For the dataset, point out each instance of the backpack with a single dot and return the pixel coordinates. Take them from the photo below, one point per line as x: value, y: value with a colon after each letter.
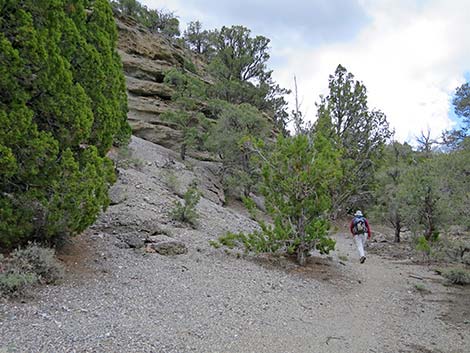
x: 359, y: 225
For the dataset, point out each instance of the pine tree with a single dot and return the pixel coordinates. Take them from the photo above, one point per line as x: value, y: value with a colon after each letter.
x: 236, y: 125
x: 296, y: 179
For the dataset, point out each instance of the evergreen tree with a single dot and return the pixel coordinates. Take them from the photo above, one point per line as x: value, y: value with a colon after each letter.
x: 296, y: 179
x: 461, y: 101
x: 189, y: 92
x: 361, y: 134
x: 128, y: 7
x: 420, y: 192
x: 236, y: 124
x: 238, y: 62
x: 109, y: 96
x: 54, y: 175
x: 196, y: 38
x: 453, y: 180
x: 462, y: 105
x: 239, y: 56
x: 390, y: 202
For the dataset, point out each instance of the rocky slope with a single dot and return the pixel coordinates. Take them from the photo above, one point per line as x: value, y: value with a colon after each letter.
x: 145, y: 57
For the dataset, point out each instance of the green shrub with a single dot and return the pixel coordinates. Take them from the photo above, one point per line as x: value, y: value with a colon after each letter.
x: 343, y: 258
x: 457, y: 276
x: 14, y: 285
x: 189, y: 65
x: 27, y: 267
x: 421, y: 288
x: 37, y: 260
x: 186, y: 212
x: 171, y: 180
x: 422, y: 245
x: 214, y: 244
x: 296, y: 176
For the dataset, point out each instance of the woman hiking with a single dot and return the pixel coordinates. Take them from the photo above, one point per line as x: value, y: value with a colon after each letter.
x: 360, y: 230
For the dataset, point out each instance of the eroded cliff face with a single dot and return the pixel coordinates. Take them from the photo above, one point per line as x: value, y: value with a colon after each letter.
x: 146, y: 57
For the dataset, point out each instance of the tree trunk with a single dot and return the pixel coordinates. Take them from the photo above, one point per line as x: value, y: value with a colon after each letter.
x: 302, y: 249
x: 397, y: 230
x: 183, y: 151
x: 397, y: 234
x: 301, y: 256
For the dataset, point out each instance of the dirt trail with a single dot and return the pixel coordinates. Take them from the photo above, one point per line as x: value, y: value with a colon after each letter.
x: 371, y: 307
x: 386, y: 311
x: 120, y: 299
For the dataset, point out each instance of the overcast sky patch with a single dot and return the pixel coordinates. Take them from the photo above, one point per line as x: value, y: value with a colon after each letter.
x: 410, y: 54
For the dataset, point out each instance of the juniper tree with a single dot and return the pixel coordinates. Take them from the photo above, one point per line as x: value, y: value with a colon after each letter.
x: 236, y: 124
x: 461, y: 102
x: 390, y: 202
x: 421, y: 194
x: 451, y: 180
x: 196, y: 38
x: 188, y: 95
x: 53, y: 135
x: 361, y: 134
x: 238, y: 61
x: 186, y: 212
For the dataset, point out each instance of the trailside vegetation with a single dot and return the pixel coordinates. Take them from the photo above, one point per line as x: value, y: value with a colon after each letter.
x: 296, y: 178
x: 62, y: 105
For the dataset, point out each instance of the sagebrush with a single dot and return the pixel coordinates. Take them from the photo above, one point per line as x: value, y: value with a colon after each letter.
x: 27, y: 267
x: 458, y: 276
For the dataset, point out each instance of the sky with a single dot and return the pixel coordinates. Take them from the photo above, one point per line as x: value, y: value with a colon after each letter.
x: 410, y: 54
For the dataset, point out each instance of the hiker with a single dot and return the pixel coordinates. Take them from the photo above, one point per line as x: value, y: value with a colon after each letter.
x: 361, y: 232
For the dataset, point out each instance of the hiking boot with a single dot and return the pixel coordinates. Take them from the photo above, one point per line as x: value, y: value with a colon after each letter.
x: 363, y: 259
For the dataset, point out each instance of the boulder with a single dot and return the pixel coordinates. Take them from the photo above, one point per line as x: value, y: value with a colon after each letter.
x: 167, y: 248
x: 117, y: 194
x: 259, y: 201
x: 159, y: 238
x: 134, y: 239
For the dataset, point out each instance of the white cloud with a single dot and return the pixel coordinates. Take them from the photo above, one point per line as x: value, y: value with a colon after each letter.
x: 410, y: 57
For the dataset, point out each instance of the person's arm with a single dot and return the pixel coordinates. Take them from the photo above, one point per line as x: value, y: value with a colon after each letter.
x: 351, y: 226
x: 369, y: 233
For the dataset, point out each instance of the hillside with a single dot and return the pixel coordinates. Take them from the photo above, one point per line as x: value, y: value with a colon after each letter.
x: 120, y: 297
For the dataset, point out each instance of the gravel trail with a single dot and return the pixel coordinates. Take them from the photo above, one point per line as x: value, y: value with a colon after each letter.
x: 121, y: 299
